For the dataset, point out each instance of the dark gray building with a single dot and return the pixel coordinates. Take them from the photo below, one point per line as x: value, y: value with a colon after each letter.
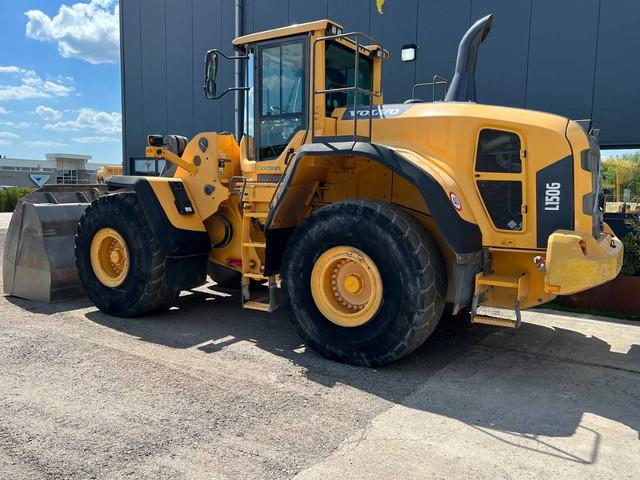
x: 578, y: 58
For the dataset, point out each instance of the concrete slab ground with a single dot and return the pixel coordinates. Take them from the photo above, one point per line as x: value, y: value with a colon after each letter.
x: 210, y: 391
x: 5, y: 218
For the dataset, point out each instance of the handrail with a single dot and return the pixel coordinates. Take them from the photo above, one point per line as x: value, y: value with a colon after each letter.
x: 437, y: 80
x: 353, y: 37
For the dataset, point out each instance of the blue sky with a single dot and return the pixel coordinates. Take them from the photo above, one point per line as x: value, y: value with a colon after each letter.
x: 60, y: 79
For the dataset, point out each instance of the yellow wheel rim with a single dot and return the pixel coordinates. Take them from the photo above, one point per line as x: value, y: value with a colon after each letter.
x: 346, y: 286
x: 109, y: 257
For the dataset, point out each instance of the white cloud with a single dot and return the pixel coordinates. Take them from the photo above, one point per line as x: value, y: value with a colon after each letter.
x: 89, y: 31
x: 90, y: 140
x: 48, y: 114
x: 44, y: 144
x: 16, y: 124
x: 8, y: 135
x: 11, y: 69
x: 90, y: 120
x: 4, y: 111
x: 27, y: 84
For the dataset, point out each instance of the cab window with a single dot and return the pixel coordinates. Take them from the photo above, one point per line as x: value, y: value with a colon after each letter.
x: 340, y: 73
x: 282, y: 84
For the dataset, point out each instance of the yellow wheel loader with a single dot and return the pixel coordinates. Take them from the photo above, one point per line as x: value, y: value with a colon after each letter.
x: 368, y: 217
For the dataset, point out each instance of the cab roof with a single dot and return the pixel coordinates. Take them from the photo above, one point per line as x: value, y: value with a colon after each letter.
x: 286, y: 31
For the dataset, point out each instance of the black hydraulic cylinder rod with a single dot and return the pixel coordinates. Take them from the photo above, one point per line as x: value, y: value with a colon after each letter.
x: 463, y: 85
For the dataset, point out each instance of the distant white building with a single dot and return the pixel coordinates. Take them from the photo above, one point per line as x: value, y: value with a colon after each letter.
x: 58, y: 168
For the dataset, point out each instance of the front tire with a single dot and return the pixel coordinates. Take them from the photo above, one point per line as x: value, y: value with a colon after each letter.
x: 386, y: 275
x: 119, y: 261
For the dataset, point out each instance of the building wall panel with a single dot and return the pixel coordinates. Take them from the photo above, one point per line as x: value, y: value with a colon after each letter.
x: 154, y: 66
x: 440, y: 28
x: 562, y: 55
x: 179, y: 68
x: 394, y: 28
x: 206, y: 35
x: 616, y: 98
x: 502, y: 63
x: 132, y: 104
x: 571, y: 57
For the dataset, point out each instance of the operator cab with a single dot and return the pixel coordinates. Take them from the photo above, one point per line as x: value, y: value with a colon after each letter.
x: 279, y: 77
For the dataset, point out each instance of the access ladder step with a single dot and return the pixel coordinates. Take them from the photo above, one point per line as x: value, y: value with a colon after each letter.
x: 268, y: 304
x: 256, y: 214
x: 498, y: 317
x: 255, y: 305
x: 254, y: 244
x: 503, y: 281
x: 256, y: 276
x: 495, y: 321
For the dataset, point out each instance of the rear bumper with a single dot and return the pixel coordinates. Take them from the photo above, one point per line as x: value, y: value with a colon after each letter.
x: 577, y: 261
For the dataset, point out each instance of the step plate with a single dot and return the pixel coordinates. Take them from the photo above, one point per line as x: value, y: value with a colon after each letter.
x: 495, y: 321
x: 253, y: 305
x: 497, y: 316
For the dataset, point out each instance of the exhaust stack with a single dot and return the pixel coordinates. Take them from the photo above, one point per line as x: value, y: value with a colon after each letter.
x: 463, y: 85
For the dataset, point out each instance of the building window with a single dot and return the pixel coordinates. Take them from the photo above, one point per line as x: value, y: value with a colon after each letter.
x: 67, y: 176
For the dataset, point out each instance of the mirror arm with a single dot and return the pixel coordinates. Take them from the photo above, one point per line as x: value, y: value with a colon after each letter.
x: 230, y: 89
x: 232, y: 57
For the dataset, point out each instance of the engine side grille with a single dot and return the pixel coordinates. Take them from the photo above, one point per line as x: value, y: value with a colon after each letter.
x: 503, y: 200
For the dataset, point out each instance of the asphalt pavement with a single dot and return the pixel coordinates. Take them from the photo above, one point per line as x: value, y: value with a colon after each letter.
x: 208, y: 391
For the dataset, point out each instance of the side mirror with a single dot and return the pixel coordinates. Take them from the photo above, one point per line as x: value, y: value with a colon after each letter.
x: 211, y: 72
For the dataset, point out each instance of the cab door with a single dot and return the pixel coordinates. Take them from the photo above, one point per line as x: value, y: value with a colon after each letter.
x: 281, y: 95
x: 500, y: 181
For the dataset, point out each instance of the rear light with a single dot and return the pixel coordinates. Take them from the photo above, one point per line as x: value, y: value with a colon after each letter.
x: 155, y: 140
x: 552, y: 288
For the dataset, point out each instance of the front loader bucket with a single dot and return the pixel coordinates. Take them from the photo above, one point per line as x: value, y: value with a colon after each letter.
x: 39, y: 261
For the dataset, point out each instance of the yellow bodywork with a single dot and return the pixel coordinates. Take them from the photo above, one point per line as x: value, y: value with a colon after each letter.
x: 438, y: 138
x: 576, y: 261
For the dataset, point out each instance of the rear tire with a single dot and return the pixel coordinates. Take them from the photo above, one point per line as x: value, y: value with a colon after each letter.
x: 143, y: 289
x: 410, y: 267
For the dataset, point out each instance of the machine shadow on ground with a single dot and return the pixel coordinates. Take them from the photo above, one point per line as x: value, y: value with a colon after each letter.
x: 524, y: 383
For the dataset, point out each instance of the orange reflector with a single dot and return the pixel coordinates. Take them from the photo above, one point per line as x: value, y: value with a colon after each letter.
x: 583, y: 246
x: 552, y: 288
x: 234, y: 262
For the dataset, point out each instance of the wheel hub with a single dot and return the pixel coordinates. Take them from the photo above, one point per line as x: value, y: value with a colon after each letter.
x: 109, y: 257
x: 346, y: 286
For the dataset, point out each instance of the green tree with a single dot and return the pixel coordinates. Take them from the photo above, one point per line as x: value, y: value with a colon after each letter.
x: 631, y: 264
x: 9, y: 198
x: 620, y: 173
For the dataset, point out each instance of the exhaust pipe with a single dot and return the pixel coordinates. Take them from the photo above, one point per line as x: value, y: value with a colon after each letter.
x: 463, y: 85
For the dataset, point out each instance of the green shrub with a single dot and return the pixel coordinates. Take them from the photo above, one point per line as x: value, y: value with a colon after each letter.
x: 9, y: 197
x: 631, y: 265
